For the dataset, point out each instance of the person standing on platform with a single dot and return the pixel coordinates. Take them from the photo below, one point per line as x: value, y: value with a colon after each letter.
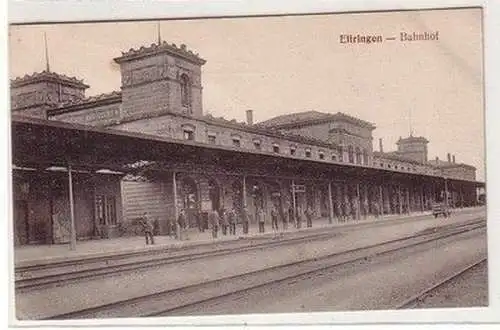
x: 224, y: 221
x: 375, y: 210
x: 214, y: 219
x: 274, y: 218
x: 181, y: 222
x: 232, y: 222
x: 261, y: 220
x: 245, y: 219
x: 199, y: 222
x: 148, y: 228
x: 291, y: 215
x: 284, y: 217
x: 298, y: 218
x: 309, y: 214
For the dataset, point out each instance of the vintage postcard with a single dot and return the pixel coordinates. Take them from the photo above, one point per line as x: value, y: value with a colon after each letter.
x: 239, y: 166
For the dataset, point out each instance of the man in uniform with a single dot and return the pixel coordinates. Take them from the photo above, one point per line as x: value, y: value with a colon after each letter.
x: 291, y: 215
x: 224, y: 221
x: 274, y: 218
x: 148, y: 228
x: 231, y: 217
x: 213, y: 218
x: 261, y: 220
x: 284, y: 217
x: 245, y: 219
x: 298, y: 218
x: 309, y: 214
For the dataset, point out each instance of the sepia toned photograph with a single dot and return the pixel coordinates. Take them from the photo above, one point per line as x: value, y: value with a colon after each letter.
x: 326, y: 162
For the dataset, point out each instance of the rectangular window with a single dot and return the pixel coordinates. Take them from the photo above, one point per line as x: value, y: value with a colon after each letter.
x: 292, y: 151
x: 257, y: 145
x: 236, y: 143
x: 105, y: 209
x: 188, y: 135
x: 308, y: 153
x: 276, y: 149
x: 334, y: 157
x: 211, y: 139
x: 321, y: 155
x: 111, y: 210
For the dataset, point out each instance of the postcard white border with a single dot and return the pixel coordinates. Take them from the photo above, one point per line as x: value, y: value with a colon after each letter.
x: 71, y: 10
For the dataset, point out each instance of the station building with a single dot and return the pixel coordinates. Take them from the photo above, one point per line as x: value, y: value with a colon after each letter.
x: 320, y: 160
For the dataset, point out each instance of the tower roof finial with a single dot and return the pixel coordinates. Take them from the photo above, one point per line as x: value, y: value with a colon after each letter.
x: 159, y: 33
x: 47, y: 64
x: 411, y: 128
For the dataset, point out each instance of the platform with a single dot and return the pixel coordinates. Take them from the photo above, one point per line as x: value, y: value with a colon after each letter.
x: 39, y: 254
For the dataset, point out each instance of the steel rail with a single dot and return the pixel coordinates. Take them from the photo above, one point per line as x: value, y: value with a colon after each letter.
x: 112, y: 309
x: 415, y: 299
x: 107, y: 269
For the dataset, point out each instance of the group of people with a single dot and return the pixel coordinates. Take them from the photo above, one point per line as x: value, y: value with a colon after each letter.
x: 226, y: 221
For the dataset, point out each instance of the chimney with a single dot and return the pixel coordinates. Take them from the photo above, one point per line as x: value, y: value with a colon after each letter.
x: 449, y: 157
x: 249, y: 117
x: 381, y: 147
x: 453, y: 158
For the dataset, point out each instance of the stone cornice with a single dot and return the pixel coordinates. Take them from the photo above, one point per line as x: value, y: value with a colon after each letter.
x: 45, y: 76
x: 156, y: 49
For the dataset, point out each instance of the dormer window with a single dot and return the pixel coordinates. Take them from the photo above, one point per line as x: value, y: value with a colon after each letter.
x: 188, y: 132
x: 257, y: 144
x: 308, y: 153
x: 276, y: 148
x: 334, y: 157
x: 212, y: 137
x: 293, y: 150
x: 321, y: 155
x: 236, y: 140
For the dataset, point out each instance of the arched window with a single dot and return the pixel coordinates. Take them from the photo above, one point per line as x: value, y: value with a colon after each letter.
x: 351, y: 154
x: 358, y: 156
x: 185, y: 91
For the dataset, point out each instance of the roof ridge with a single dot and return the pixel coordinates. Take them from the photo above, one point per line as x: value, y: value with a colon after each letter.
x: 92, y: 98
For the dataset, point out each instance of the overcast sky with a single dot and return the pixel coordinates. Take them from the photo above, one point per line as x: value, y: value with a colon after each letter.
x: 279, y: 65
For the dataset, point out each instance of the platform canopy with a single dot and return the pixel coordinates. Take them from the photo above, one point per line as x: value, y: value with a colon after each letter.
x: 39, y: 143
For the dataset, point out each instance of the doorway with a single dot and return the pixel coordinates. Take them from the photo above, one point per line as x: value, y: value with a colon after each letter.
x: 21, y: 229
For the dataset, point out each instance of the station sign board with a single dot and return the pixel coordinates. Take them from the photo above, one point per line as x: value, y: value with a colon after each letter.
x: 299, y: 188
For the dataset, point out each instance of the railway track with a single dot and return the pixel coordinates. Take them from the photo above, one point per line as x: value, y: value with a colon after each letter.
x: 416, y: 299
x: 189, y: 296
x: 60, y: 273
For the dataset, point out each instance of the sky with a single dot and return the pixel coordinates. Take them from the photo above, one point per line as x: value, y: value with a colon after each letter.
x: 279, y: 65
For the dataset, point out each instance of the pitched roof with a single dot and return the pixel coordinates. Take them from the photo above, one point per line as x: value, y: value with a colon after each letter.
x: 446, y: 164
x: 86, y: 103
x: 309, y: 118
x: 394, y: 155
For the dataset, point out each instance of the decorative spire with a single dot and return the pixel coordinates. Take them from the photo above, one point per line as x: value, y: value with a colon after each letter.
x: 411, y: 128
x: 47, y: 65
x: 159, y: 33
